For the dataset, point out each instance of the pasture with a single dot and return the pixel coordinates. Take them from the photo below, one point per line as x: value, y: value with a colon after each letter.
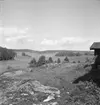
x: 50, y: 75
x: 57, y: 75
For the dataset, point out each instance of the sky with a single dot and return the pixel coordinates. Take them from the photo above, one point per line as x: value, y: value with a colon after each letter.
x: 49, y: 24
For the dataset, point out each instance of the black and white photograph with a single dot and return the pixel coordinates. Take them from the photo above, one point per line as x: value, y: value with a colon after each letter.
x: 49, y: 52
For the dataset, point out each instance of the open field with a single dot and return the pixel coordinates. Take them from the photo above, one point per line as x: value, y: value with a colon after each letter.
x: 22, y: 61
x: 19, y: 81
x: 44, y: 74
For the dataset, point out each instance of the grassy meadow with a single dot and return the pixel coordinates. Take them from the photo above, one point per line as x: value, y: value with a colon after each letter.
x: 45, y: 75
x: 71, y: 78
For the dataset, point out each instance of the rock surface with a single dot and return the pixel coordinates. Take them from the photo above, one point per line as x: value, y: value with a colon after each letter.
x: 25, y: 92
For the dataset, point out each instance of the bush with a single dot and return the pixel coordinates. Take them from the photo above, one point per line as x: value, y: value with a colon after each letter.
x: 78, y: 61
x: 78, y: 54
x: 9, y: 67
x: 74, y: 62
x: 87, y: 59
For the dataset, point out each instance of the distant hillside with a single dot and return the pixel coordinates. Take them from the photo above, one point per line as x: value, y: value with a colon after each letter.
x: 34, y: 51
x: 73, y: 53
x: 58, y: 52
x: 25, y: 50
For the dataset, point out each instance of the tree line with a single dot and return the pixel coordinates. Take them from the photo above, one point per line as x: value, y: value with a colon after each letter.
x: 6, y: 54
x: 42, y: 61
x: 68, y: 53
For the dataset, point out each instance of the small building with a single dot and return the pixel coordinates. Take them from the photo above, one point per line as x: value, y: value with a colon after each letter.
x: 96, y: 47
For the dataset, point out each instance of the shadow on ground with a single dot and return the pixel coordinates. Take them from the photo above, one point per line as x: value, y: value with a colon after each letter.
x: 92, y: 75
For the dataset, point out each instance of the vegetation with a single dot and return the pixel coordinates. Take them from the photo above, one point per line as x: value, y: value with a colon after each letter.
x: 68, y: 53
x: 87, y: 59
x: 58, y: 60
x: 50, y: 60
x: 66, y: 59
x: 6, y: 54
x: 41, y: 61
x: 65, y: 53
x: 85, y: 93
x: 74, y: 62
x: 88, y: 53
x: 33, y: 63
x: 77, y: 54
x: 78, y: 61
x: 23, y: 54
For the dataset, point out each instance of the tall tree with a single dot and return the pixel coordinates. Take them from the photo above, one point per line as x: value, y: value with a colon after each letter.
x: 66, y: 59
x: 58, y: 60
x: 50, y: 60
x: 41, y: 61
x: 6, y: 54
x: 33, y: 63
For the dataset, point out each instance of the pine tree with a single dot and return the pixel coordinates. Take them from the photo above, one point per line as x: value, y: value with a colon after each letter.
x: 50, y: 60
x: 58, y: 60
x: 33, y: 63
x: 41, y: 61
x: 66, y: 59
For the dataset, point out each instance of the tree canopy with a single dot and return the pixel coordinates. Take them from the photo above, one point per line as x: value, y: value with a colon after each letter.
x: 6, y: 54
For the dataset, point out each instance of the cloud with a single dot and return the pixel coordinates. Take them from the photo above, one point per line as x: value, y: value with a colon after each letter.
x: 15, y: 34
x: 9, y: 31
x: 49, y: 42
x: 72, y: 40
x: 69, y: 43
x: 15, y: 38
x: 63, y: 40
x: 75, y: 43
x: 30, y: 40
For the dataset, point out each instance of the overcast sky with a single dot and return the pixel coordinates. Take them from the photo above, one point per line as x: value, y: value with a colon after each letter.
x: 49, y: 24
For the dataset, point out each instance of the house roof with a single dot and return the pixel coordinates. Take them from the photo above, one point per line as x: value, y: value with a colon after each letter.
x: 95, y: 45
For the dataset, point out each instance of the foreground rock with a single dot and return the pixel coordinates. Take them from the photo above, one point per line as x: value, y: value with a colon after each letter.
x: 25, y: 92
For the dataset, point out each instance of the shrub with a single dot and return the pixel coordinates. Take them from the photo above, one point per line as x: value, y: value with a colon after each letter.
x: 74, y: 62
x: 9, y: 67
x: 86, y: 53
x: 78, y: 61
x: 78, y: 54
